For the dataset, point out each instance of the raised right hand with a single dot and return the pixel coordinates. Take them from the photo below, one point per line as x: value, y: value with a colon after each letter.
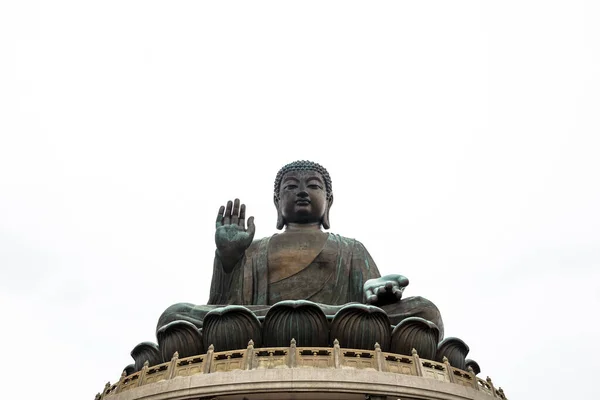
x: 232, y: 238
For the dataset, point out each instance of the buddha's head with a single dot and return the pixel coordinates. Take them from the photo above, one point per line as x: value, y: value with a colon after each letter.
x: 302, y: 194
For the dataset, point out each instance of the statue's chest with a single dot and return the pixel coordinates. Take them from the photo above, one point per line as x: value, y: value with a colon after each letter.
x: 289, y: 254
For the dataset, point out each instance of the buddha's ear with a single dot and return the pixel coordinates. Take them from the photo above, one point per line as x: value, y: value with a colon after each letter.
x: 325, y: 222
x: 280, y: 220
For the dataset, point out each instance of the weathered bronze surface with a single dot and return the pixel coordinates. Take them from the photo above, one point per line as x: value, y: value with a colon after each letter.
x: 357, y: 326
x: 302, y: 282
x: 180, y: 336
x: 415, y: 333
x: 145, y: 352
x: 301, y: 320
x: 230, y: 328
x: 301, y: 263
x: 455, y: 350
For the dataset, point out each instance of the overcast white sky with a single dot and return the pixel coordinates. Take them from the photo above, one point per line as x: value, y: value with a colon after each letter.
x: 462, y: 138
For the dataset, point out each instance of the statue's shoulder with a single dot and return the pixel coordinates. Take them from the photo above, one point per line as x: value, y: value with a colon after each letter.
x: 346, y: 241
x: 341, y: 238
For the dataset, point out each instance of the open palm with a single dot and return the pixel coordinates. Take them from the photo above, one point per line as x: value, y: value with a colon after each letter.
x: 232, y: 237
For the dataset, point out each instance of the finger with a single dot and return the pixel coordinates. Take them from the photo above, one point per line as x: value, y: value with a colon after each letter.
x: 371, y: 297
x: 227, y: 216
x: 381, y: 291
x: 219, y: 220
x: 242, y: 220
x: 388, y: 286
x: 251, y: 228
x: 397, y: 292
x: 235, y: 215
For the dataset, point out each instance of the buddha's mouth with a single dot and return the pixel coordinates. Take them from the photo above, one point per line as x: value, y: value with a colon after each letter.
x: 303, y: 202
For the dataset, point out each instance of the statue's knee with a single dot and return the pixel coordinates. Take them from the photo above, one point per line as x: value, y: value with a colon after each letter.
x: 425, y: 307
x: 415, y: 306
x: 421, y: 307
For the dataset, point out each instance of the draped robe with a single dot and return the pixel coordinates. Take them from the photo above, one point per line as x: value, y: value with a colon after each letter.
x: 334, y: 278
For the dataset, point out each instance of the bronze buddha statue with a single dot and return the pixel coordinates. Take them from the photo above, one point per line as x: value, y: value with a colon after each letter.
x: 302, y: 264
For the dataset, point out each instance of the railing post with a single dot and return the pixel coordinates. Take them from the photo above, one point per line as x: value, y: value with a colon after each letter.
x: 379, y: 358
x: 143, y: 373
x: 417, y: 361
x: 249, y: 356
x: 448, y: 369
x: 489, y: 381
x: 173, y: 365
x: 120, y: 383
x: 208, y: 359
x: 501, y: 391
x: 337, y: 354
x: 473, y: 377
x: 106, y: 387
x: 471, y: 372
x: 292, y: 354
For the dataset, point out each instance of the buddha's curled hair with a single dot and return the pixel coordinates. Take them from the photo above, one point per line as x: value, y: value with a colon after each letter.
x: 303, y: 165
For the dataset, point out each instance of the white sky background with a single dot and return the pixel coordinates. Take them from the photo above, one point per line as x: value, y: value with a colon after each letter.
x: 462, y: 139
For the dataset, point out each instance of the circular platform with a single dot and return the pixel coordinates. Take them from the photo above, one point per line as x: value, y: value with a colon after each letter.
x: 301, y: 373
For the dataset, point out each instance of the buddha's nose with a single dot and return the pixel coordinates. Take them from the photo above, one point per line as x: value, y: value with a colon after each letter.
x: 302, y: 193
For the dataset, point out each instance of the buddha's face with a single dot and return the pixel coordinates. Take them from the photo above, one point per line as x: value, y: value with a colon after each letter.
x: 302, y: 197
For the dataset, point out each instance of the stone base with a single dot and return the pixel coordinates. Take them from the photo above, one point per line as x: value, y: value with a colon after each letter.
x: 301, y: 383
x: 300, y: 372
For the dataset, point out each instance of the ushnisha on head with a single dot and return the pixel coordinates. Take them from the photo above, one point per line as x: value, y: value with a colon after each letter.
x: 303, y: 194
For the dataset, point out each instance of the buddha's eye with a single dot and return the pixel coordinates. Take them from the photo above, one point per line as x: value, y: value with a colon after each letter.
x: 291, y: 187
x: 315, y: 187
